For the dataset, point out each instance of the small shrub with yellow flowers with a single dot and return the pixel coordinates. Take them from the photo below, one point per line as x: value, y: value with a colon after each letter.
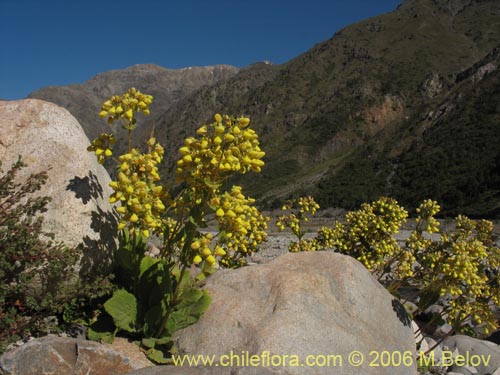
x: 299, y: 211
x: 158, y: 295
x: 459, y: 269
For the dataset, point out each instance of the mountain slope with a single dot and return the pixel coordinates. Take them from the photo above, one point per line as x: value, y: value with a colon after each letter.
x: 390, y: 105
x: 332, y: 119
x: 167, y: 86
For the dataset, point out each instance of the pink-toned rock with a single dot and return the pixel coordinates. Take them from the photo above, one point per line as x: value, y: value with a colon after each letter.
x: 304, y: 304
x: 48, y: 137
x: 131, y: 351
x: 61, y: 356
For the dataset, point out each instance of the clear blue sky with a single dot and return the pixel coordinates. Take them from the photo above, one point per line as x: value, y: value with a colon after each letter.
x: 59, y: 42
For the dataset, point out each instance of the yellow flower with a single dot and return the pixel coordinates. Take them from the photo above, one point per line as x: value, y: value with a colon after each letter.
x: 211, y: 260
x: 243, y: 122
x: 219, y: 251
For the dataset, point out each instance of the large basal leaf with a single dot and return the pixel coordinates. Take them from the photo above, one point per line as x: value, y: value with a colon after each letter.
x: 186, y: 278
x: 194, y: 302
x: 178, y: 320
x: 123, y: 309
x: 155, y: 282
x: 148, y: 342
x: 157, y: 356
x: 146, y: 263
x: 152, y: 319
x: 206, y: 271
x: 123, y: 257
x: 140, y: 243
x: 102, y: 330
x: 106, y: 337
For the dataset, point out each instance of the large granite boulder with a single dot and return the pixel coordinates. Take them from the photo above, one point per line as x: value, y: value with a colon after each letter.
x: 304, y: 304
x: 471, y: 356
x: 48, y: 137
x: 62, y: 355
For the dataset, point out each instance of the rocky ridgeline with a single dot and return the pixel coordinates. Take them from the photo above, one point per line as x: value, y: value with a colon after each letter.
x: 291, y: 305
x: 168, y: 87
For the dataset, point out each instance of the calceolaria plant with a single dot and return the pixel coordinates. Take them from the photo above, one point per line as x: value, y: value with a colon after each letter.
x: 297, y: 214
x: 459, y: 269
x: 158, y: 294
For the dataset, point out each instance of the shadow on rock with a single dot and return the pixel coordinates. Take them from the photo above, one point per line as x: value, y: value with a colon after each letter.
x: 97, y: 251
x: 401, y: 313
x: 86, y: 188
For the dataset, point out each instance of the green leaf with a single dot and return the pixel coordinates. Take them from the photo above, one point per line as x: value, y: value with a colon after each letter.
x: 153, y: 318
x: 123, y: 309
x: 106, y: 337
x: 194, y: 302
x: 148, y: 342
x: 102, y: 330
x: 140, y: 242
x: 186, y: 279
x: 206, y: 271
x: 165, y: 341
x: 123, y: 254
x: 222, y: 236
x: 178, y: 320
x: 146, y: 263
x: 196, y: 216
x: 123, y: 258
x: 124, y: 237
x: 213, y: 185
x: 157, y: 356
x: 155, y: 283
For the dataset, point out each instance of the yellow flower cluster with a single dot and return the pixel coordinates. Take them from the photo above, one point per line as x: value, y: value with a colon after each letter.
x: 462, y: 267
x: 369, y: 235
x: 136, y: 189
x: 125, y: 106
x: 201, y: 247
x: 304, y: 245
x: 291, y: 220
x: 226, y: 146
x: 242, y: 226
x: 102, y: 146
x: 332, y: 238
x: 426, y: 212
x: 300, y: 209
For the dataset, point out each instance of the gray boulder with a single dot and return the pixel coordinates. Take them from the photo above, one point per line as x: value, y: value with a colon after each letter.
x: 62, y: 355
x: 48, y: 137
x: 322, y: 304
x: 476, y: 356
